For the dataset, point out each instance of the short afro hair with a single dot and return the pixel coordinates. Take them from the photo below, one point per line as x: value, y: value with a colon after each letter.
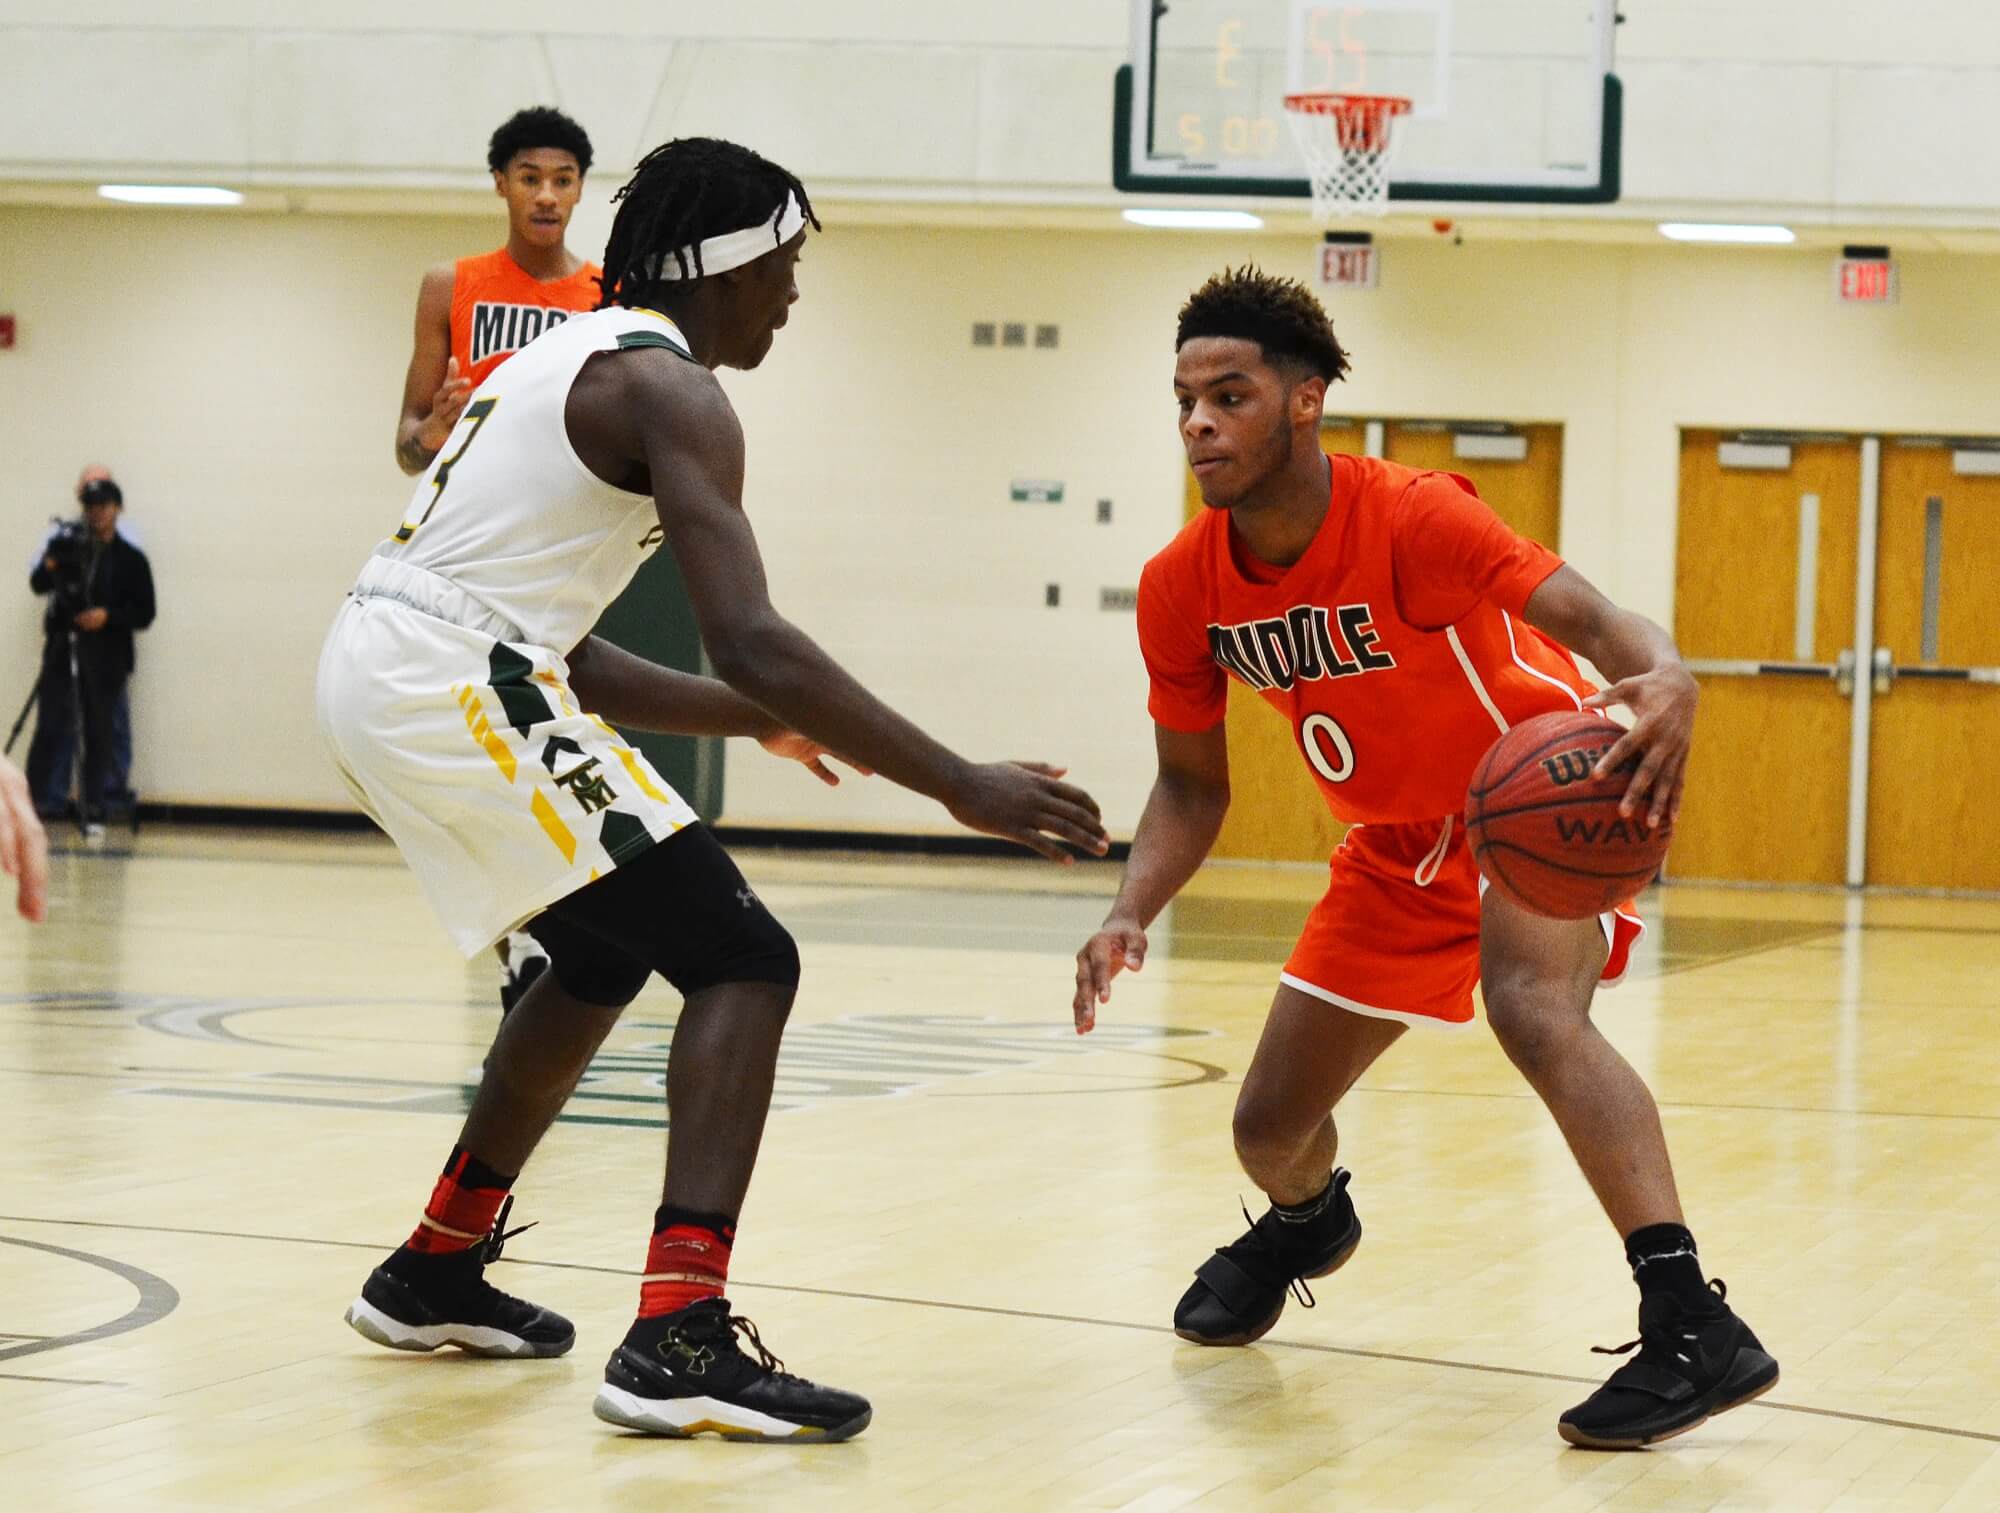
x: 1279, y: 314
x: 537, y: 126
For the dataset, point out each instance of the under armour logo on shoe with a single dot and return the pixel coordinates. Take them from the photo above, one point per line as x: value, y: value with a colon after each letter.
x: 749, y: 899
x: 693, y: 1359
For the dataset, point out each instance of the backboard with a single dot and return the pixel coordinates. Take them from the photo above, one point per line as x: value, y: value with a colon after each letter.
x: 1512, y: 99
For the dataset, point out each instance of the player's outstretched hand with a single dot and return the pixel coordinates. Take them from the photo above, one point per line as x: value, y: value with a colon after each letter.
x: 1663, y: 703
x: 446, y: 406
x: 1120, y: 946
x: 24, y: 847
x: 1025, y: 803
x: 808, y: 752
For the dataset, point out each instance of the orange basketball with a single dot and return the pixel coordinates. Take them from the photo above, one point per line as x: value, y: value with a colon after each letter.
x: 1545, y: 832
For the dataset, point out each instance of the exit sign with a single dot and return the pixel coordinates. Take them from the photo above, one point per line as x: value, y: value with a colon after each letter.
x: 1865, y: 280
x: 1349, y: 265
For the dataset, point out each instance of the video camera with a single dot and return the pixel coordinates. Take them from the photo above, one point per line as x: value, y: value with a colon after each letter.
x: 69, y: 549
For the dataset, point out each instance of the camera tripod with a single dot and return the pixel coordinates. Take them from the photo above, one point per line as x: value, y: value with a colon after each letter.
x: 82, y: 804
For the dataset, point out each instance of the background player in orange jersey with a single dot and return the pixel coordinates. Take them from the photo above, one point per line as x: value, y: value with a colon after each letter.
x: 1399, y: 626
x: 474, y: 313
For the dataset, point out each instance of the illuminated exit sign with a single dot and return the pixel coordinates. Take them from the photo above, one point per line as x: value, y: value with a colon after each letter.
x: 1865, y: 276
x: 1349, y: 260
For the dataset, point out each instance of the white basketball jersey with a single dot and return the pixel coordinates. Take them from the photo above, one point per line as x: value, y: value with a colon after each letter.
x: 508, y: 532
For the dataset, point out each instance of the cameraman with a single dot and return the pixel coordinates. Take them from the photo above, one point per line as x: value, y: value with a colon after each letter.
x: 100, y: 589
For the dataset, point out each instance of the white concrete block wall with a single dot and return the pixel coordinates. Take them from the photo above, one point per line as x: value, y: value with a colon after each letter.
x: 1787, y: 106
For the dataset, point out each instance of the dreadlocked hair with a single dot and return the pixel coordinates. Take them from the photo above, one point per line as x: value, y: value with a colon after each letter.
x: 681, y: 194
x: 537, y: 126
x: 1279, y: 314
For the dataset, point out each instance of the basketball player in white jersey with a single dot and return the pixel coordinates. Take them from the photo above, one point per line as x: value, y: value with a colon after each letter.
x: 465, y: 703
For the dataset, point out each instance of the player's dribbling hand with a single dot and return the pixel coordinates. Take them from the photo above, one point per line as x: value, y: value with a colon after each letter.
x: 1120, y: 946
x: 24, y: 848
x: 810, y: 754
x: 1662, y: 702
x: 1025, y: 803
x: 446, y: 406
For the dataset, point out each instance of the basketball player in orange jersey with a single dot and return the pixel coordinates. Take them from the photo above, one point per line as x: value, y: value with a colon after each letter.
x: 474, y: 313
x: 1399, y: 626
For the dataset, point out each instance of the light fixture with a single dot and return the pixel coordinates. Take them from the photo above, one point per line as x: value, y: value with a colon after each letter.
x: 1196, y: 220
x: 169, y: 194
x: 1706, y: 231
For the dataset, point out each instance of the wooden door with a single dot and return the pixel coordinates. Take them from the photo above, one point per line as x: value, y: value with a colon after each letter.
x: 1276, y: 812
x: 1526, y: 494
x: 1767, y: 783
x: 1932, y: 818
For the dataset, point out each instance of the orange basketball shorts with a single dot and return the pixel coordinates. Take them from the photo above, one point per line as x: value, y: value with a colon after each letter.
x: 1397, y: 934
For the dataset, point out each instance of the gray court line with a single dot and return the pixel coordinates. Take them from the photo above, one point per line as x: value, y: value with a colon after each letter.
x: 1224, y: 1080
x: 1696, y: 964
x: 56, y: 1381
x: 1204, y: 1072
x: 1011, y: 1313
x: 157, y: 1299
x: 1528, y: 1095
x: 1929, y: 929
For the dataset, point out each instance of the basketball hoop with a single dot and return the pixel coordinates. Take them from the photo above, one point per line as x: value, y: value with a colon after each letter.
x: 1345, y: 140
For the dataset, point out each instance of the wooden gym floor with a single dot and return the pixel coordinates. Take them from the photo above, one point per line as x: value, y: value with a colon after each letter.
x: 230, y: 1067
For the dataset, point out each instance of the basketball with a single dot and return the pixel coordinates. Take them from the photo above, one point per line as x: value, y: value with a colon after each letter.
x: 1548, y: 834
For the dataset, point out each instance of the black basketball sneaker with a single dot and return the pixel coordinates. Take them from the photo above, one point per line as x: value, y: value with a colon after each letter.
x: 684, y: 1374
x: 1691, y: 1365
x: 419, y: 1302
x: 1239, y: 1291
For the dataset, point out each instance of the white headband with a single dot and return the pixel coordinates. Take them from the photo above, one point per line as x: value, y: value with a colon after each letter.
x: 732, y: 249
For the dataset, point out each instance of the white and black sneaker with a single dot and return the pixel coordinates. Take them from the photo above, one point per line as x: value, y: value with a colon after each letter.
x: 684, y: 1374
x: 522, y: 960
x: 419, y: 1302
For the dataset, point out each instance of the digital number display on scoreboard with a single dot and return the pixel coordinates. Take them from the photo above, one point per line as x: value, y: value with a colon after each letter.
x: 1223, y: 73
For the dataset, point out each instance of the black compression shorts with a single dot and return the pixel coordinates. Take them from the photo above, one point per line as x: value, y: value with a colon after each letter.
x: 681, y: 909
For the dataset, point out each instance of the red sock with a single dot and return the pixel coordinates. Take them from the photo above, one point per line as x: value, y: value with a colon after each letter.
x: 687, y: 1261
x: 463, y: 1205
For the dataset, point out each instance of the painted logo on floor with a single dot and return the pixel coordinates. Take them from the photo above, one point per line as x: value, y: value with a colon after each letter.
x: 854, y: 1057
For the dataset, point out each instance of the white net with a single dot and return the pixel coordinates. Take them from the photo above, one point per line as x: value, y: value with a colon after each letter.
x: 1345, y: 141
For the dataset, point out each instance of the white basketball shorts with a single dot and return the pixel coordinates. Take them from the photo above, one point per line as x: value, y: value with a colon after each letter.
x: 471, y: 752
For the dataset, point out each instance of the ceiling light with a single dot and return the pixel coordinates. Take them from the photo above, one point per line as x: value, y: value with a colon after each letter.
x: 1705, y: 231
x: 1197, y: 220
x: 169, y: 194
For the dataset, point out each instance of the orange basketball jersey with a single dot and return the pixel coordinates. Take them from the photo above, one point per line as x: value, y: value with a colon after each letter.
x: 497, y: 309
x: 1394, y: 646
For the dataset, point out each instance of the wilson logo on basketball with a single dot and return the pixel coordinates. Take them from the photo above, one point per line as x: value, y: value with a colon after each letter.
x: 1567, y: 767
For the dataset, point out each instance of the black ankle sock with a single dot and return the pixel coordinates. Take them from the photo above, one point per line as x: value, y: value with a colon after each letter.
x: 667, y: 1215
x: 476, y: 1173
x: 1311, y: 1209
x: 1663, y: 1260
